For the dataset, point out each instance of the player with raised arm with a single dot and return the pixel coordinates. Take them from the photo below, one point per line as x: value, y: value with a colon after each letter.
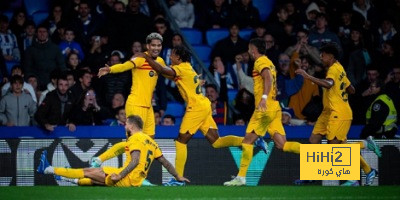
x: 198, y: 113
x: 144, y: 80
x: 140, y: 152
x: 335, y: 119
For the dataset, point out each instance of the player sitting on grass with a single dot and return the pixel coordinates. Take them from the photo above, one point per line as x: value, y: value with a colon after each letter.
x: 140, y: 152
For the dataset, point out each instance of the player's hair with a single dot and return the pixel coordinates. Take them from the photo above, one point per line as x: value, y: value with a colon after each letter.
x: 330, y: 48
x: 182, y: 52
x: 135, y: 119
x: 153, y: 36
x: 259, y: 44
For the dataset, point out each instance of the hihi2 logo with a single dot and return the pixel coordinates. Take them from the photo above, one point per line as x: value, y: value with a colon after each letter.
x: 330, y: 162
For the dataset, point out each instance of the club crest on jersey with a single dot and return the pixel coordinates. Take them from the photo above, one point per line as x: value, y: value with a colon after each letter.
x: 376, y: 107
x: 151, y: 73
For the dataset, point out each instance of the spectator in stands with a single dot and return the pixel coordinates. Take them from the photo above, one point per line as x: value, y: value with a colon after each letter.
x: 356, y: 57
x: 85, y: 24
x: 393, y: 87
x: 289, y: 36
x: 17, y: 108
x: 245, y: 14
x: 73, y: 61
x: 56, y: 107
x: 27, y: 37
x: 142, y: 21
x: 242, y: 63
x: 321, y: 34
x: 43, y: 57
x: 18, y: 23
x: 87, y: 111
x: 119, y: 7
x: 218, y: 69
x: 116, y: 83
x: 387, y: 58
x: 218, y: 104
x: 309, y: 90
x: 136, y: 47
x: 272, y: 49
x: 99, y: 49
x: 58, y: 34
x: 50, y: 86
x: 8, y: 41
x: 168, y: 120
x: 183, y: 13
x: 367, y: 10
x: 26, y: 87
x: 68, y: 45
x: 244, y: 80
x: 162, y: 27
x: 230, y: 46
x: 120, y: 117
x: 275, y: 24
x: 303, y: 48
x: 239, y: 121
x: 85, y: 82
x: 308, y: 20
x: 244, y: 104
x: 385, y: 32
x: 55, y: 18
x: 32, y: 79
x: 287, y: 86
x: 3, y: 70
x: 218, y: 15
x: 381, y: 118
x: 259, y: 31
x: 157, y: 117
x: 71, y: 78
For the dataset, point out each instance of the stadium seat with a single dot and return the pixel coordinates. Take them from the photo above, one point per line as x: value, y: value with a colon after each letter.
x: 10, y: 65
x: 203, y: 51
x: 192, y: 35
x: 39, y: 17
x: 264, y: 7
x: 246, y: 33
x: 33, y: 6
x: 9, y: 14
x: 214, y: 35
x: 232, y: 95
x: 175, y: 109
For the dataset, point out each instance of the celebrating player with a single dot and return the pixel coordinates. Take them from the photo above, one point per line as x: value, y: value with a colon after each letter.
x: 267, y: 115
x: 140, y: 152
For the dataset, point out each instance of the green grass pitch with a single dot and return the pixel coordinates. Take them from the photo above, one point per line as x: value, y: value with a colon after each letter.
x: 201, y: 192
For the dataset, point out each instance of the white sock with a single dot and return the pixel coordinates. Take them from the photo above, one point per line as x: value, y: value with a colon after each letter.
x: 49, y: 170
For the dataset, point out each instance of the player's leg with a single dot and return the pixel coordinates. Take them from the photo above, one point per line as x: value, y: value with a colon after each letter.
x: 181, y: 152
x: 45, y: 168
x: 277, y: 133
x: 115, y: 150
x: 257, y: 127
x: 209, y: 129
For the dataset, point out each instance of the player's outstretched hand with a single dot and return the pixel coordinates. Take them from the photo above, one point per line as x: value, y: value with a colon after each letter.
x: 301, y: 72
x: 104, y: 71
x: 182, y: 179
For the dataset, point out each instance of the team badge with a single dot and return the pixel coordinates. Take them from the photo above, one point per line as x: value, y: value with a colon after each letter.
x: 377, y: 107
x: 151, y: 73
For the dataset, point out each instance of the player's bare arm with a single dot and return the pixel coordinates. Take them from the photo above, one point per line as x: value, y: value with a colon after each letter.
x: 166, y: 71
x: 171, y: 169
x: 134, y: 162
x: 267, y: 77
x: 326, y: 83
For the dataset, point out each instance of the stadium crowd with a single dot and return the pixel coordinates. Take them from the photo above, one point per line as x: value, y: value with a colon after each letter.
x: 50, y: 66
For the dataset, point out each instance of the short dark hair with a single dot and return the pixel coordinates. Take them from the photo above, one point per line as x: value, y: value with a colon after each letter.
x: 16, y: 78
x: 211, y: 86
x: 182, y: 52
x: 135, y: 119
x: 171, y: 117
x: 259, y: 44
x: 330, y: 48
x: 17, y: 67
